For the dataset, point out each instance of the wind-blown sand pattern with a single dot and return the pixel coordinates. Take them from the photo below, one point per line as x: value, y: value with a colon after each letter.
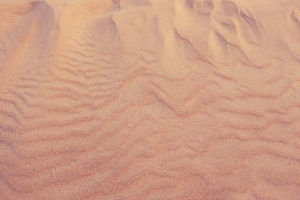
x: 150, y: 100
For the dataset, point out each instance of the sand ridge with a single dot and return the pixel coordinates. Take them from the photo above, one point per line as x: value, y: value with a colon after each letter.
x: 149, y: 99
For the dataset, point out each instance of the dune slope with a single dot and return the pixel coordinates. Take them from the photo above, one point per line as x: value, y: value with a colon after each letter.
x: 150, y: 99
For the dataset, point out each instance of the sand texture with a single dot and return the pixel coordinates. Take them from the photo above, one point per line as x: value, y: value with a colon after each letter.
x: 150, y: 100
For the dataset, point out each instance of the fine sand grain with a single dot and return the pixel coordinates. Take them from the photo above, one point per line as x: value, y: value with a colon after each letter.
x: 150, y: 100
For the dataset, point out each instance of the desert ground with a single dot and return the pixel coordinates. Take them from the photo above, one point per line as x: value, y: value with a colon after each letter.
x: 150, y: 100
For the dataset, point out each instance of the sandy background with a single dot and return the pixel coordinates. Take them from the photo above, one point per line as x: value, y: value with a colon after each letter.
x: 150, y: 100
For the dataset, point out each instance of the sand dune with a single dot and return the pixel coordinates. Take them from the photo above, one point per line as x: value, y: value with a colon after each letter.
x: 150, y: 99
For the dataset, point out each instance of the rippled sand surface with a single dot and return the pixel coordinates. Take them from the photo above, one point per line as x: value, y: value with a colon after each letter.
x: 150, y: 100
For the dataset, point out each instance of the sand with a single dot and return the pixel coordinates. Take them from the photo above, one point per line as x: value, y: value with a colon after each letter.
x: 150, y: 100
